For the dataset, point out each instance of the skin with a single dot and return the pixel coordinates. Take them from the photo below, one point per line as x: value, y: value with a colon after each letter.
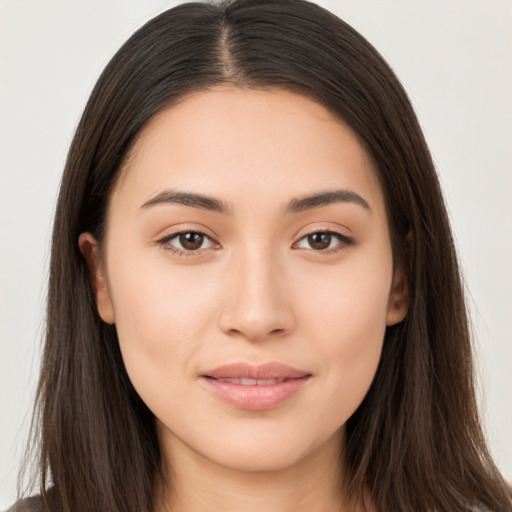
x: 256, y: 290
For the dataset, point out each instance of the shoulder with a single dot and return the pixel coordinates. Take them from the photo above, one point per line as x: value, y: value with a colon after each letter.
x: 33, y: 504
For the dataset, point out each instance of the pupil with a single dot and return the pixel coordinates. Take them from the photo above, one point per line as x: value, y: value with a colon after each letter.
x: 191, y: 241
x: 320, y: 240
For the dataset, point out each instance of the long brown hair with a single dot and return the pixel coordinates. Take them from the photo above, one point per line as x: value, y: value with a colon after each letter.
x: 416, y: 440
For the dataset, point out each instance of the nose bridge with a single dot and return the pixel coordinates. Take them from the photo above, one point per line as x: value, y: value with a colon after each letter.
x: 258, y: 304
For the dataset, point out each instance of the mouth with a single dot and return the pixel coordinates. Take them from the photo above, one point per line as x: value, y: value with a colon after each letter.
x: 255, y: 388
x: 252, y: 382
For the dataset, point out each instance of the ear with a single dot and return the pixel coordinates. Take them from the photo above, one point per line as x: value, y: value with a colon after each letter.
x: 90, y: 251
x: 398, y: 302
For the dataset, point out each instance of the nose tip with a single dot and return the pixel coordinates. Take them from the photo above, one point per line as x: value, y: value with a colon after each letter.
x: 254, y: 330
x: 257, y: 305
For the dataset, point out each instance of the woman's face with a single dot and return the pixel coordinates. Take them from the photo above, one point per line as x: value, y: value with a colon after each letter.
x: 247, y: 239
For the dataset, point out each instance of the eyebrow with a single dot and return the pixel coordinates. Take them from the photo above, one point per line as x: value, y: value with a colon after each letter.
x: 325, y: 198
x: 296, y: 205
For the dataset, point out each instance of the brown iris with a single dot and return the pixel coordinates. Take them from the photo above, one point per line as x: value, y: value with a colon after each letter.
x: 191, y: 241
x: 319, y: 241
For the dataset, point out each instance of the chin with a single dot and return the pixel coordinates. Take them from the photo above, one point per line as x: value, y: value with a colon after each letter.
x: 261, y: 460
x: 268, y: 452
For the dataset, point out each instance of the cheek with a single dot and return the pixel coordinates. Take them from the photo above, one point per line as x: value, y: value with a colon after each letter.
x: 160, y: 315
x: 348, y: 301
x: 347, y: 320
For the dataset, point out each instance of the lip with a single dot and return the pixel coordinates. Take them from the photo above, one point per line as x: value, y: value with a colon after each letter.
x: 260, y: 395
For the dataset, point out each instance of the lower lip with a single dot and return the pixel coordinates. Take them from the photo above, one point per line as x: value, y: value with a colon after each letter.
x: 255, y: 398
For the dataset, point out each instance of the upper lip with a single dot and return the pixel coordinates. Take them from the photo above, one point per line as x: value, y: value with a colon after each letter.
x: 272, y: 370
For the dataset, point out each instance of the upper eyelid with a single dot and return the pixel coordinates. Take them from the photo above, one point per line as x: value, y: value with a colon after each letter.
x: 325, y: 230
x: 200, y: 231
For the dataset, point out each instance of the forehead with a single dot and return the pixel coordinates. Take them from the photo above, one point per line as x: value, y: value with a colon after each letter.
x: 239, y: 144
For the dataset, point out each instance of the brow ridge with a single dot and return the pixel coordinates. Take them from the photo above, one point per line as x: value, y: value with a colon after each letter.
x: 296, y: 205
x: 189, y: 199
x: 325, y: 198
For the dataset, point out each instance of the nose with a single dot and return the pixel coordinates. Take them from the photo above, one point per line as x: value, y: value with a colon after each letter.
x: 257, y: 303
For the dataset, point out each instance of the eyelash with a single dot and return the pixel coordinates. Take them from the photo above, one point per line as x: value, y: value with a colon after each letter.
x: 344, y: 240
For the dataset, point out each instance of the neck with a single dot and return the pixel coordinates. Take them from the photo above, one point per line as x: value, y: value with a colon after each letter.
x: 197, y: 484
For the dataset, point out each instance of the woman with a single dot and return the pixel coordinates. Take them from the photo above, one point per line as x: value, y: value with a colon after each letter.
x: 254, y: 297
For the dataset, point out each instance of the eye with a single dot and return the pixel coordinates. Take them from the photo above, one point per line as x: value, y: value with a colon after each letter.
x: 186, y: 243
x: 325, y: 241
x: 189, y: 243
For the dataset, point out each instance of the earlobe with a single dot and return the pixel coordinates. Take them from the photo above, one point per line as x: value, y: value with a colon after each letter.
x: 398, y: 302
x: 90, y: 251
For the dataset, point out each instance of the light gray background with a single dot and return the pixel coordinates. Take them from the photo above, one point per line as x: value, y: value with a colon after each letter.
x: 453, y: 56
